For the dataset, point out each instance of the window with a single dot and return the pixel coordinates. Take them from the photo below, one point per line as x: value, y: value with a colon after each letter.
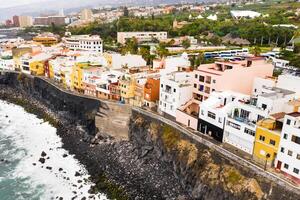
x: 161, y: 85
x: 244, y: 114
x: 214, y: 81
x: 174, y: 90
x: 288, y: 121
x: 211, y: 115
x: 202, y: 112
x: 296, y: 139
x: 233, y: 125
x: 298, y: 156
x: 286, y: 166
x: 262, y: 138
x: 296, y: 171
x: 220, y: 120
x: 282, y: 150
x: 290, y: 153
x: 196, y: 75
x: 259, y: 117
x: 264, y: 106
x: 201, y: 88
x: 195, y: 85
x: 201, y: 78
x: 272, y: 142
x: 249, y: 131
x: 285, y: 136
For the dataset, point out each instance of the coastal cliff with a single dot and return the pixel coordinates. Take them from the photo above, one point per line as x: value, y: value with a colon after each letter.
x: 204, y: 173
x: 79, y: 109
x: 158, y: 161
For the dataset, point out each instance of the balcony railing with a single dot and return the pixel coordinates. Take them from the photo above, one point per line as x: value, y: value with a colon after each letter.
x: 243, y: 120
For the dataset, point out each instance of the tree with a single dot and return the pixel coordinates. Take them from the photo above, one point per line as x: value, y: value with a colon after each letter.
x: 145, y: 53
x: 186, y: 43
x: 161, y: 50
x: 200, y: 59
x: 130, y: 46
x: 295, y: 61
x: 256, y: 51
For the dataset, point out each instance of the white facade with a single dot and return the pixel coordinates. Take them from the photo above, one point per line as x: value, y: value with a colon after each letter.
x: 84, y: 43
x: 172, y: 64
x: 289, y: 82
x: 238, y: 14
x: 240, y: 126
x: 7, y: 63
x: 175, y: 90
x: 216, y: 108
x: 262, y: 85
x: 141, y: 36
x: 288, y: 157
x: 119, y: 61
x: 280, y: 63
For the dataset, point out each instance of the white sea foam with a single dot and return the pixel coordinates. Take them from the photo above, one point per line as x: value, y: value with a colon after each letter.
x: 32, y: 136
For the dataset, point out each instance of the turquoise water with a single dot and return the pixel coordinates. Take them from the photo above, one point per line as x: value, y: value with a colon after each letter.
x: 23, y: 137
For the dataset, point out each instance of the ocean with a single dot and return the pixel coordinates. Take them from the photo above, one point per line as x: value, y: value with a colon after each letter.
x: 25, y: 142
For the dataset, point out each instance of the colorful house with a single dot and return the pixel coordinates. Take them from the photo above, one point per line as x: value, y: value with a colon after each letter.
x: 151, y: 92
x: 267, y: 139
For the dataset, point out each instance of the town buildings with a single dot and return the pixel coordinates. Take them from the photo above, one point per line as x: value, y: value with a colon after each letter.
x: 46, y: 39
x: 288, y: 156
x: 221, y: 76
x: 141, y: 36
x: 91, y: 43
x: 25, y: 21
x: 49, y: 20
x: 175, y: 90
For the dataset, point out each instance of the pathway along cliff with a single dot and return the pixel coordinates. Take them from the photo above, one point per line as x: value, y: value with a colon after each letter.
x: 158, y: 161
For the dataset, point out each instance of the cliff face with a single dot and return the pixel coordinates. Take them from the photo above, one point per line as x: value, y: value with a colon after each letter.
x: 205, y: 174
x: 77, y: 109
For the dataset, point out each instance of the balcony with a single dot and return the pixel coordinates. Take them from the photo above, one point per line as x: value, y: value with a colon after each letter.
x: 243, y: 120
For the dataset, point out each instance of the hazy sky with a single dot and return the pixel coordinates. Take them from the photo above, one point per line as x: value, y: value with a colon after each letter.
x: 9, y: 3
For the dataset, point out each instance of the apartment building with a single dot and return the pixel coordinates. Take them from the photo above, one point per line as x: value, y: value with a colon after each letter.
x: 175, y: 90
x: 222, y: 76
x: 25, y: 21
x: 49, y: 20
x: 122, y: 37
x: 240, y: 126
x: 288, y: 156
x: 214, y: 112
x: 89, y: 43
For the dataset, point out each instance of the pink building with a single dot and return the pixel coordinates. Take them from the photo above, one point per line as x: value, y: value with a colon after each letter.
x: 237, y: 76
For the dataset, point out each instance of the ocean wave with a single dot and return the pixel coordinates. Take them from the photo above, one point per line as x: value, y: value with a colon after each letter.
x: 29, y: 137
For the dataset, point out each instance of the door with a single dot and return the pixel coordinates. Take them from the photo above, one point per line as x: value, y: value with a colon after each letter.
x: 279, y: 163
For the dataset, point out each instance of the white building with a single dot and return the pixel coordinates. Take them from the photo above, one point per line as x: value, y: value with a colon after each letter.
x: 240, y: 126
x: 6, y: 61
x: 62, y: 65
x: 280, y: 63
x: 118, y: 61
x: 172, y: 63
x: 175, y: 90
x: 84, y: 43
x: 141, y: 36
x: 214, y: 111
x: 238, y: 14
x: 288, y: 156
x: 289, y: 82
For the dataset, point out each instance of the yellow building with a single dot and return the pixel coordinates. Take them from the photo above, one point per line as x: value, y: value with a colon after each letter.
x: 77, y: 76
x: 127, y: 86
x: 47, y: 40
x: 37, y: 67
x: 267, y: 140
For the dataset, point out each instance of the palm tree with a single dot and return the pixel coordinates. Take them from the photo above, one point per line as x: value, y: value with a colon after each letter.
x: 161, y: 50
x: 256, y: 51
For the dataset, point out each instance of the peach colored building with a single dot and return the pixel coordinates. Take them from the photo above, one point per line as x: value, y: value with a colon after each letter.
x: 237, y: 76
x: 151, y: 92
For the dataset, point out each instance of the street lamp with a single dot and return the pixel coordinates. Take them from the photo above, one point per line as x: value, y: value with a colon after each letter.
x: 267, y: 157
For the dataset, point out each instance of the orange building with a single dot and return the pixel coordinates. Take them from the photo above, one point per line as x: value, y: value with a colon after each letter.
x: 151, y: 92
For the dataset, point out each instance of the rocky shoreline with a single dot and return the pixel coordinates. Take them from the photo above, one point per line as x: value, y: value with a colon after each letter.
x: 117, y: 168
